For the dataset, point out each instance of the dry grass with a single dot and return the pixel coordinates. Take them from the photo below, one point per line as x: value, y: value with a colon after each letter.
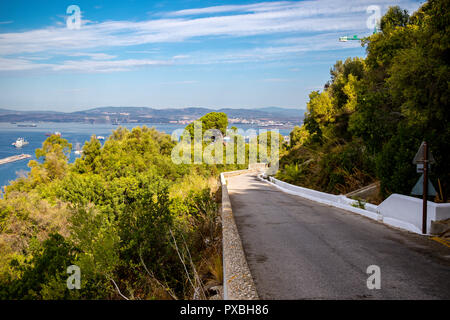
x: 193, y: 183
x: 211, y: 267
x: 29, y: 216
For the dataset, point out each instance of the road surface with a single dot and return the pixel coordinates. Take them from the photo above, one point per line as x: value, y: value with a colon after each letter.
x: 300, y: 249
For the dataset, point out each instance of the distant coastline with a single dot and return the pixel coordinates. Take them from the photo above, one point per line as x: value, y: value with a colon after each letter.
x: 263, y: 117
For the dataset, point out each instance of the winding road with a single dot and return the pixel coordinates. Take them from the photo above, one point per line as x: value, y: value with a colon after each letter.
x: 300, y: 249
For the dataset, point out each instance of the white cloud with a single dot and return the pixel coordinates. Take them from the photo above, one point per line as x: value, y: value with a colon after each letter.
x: 290, y: 18
x: 279, y: 50
x: 180, y: 56
x: 88, y: 66
x: 19, y: 64
x: 152, y: 51
x: 256, y: 19
x: 94, y: 56
x: 257, y: 7
x: 106, y: 66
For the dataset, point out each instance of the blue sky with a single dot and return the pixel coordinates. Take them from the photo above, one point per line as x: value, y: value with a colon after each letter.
x: 173, y: 54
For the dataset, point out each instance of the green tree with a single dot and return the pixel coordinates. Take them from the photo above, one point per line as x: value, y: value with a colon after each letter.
x: 394, y: 17
x: 388, y: 102
x: 90, y: 156
x: 48, y: 265
x: 212, y: 120
x: 299, y: 135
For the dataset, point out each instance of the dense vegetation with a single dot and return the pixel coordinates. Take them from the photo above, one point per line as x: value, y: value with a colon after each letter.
x: 140, y: 226
x: 137, y: 225
x: 372, y: 115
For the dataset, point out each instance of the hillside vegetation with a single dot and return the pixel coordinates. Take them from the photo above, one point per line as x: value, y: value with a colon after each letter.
x: 137, y: 225
x: 371, y: 117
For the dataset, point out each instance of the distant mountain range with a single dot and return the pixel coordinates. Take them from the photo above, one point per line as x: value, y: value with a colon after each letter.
x: 118, y: 115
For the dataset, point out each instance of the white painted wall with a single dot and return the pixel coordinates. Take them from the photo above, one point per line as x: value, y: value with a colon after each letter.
x: 305, y: 191
x: 406, y: 212
x: 324, y: 198
x: 398, y: 210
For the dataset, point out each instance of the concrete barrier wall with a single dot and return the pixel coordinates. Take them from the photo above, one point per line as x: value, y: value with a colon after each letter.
x: 367, y: 206
x: 305, y: 191
x: 406, y: 212
x: 398, y: 210
x: 321, y: 195
x: 237, y: 280
x: 325, y: 198
x: 442, y: 211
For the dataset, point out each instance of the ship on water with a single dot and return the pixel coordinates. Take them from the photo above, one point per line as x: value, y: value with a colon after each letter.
x: 20, y: 142
x: 78, y: 150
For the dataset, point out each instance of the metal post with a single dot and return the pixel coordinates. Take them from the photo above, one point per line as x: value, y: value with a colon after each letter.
x: 425, y: 187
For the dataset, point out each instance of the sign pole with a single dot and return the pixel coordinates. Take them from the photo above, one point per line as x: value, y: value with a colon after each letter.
x: 425, y: 187
x: 425, y: 158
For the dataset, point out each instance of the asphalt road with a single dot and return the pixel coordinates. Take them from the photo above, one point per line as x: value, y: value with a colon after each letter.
x: 300, y: 249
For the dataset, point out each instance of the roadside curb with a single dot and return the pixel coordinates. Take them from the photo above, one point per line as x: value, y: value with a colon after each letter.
x: 238, y: 283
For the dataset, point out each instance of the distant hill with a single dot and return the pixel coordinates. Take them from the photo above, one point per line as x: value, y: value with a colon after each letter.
x: 283, y: 111
x: 150, y: 115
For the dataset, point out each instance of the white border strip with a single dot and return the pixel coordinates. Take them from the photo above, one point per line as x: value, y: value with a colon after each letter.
x: 342, y: 202
x: 366, y: 213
